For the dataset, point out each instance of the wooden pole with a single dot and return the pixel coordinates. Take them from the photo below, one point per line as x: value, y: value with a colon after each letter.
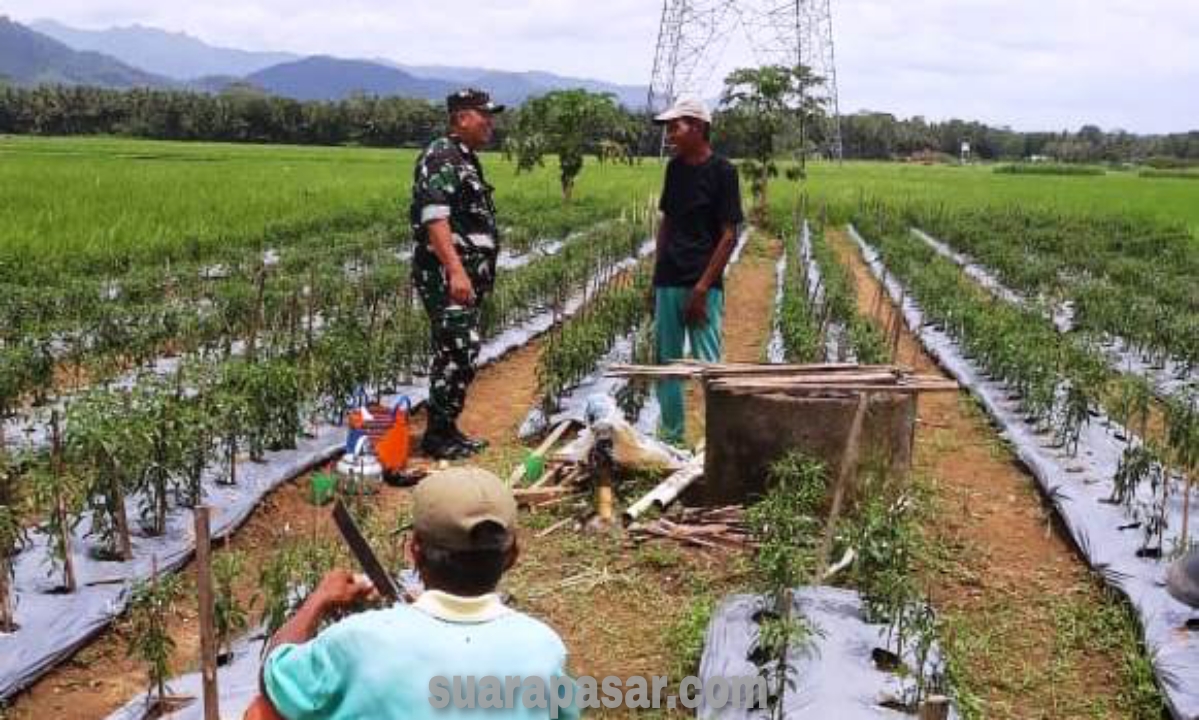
x: 157, y: 610
x: 849, y: 462
x: 7, y: 616
x: 208, y: 649
x: 60, y: 505
x: 125, y: 544
x: 1186, y: 509
x: 7, y: 621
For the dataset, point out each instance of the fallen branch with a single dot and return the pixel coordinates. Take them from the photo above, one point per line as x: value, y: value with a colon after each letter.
x: 554, y: 528
x: 529, y: 496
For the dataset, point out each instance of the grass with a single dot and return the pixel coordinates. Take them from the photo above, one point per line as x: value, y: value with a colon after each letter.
x: 980, y: 185
x: 1049, y: 169
x: 85, y: 200
x: 1087, y: 622
x: 1172, y: 174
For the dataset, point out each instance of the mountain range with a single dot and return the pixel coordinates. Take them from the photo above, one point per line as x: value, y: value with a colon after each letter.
x: 135, y: 56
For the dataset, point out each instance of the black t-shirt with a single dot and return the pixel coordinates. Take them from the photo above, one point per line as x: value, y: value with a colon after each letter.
x: 698, y: 200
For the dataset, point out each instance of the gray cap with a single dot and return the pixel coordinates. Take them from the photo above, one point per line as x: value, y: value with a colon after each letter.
x: 686, y: 107
x: 449, y: 505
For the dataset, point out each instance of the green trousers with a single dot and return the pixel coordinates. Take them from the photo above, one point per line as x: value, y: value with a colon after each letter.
x: 670, y: 331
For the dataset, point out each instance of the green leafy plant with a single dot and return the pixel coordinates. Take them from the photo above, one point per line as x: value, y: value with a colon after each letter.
x: 59, y: 498
x: 230, y: 616
x: 12, y: 534
x: 103, y: 448
x: 151, y: 606
x: 786, y: 524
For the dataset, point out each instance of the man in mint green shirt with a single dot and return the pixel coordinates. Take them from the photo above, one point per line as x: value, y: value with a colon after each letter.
x: 387, y: 664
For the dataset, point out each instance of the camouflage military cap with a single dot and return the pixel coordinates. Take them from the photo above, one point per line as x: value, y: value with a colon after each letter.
x: 472, y: 99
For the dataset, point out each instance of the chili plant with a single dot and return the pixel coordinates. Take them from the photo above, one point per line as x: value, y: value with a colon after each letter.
x: 229, y: 615
x: 12, y: 534
x: 59, y: 498
x: 786, y: 523
x: 151, y: 606
x: 103, y: 448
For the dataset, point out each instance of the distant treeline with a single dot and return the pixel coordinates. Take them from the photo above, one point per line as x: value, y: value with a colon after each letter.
x: 237, y: 115
x: 245, y: 114
x: 882, y: 135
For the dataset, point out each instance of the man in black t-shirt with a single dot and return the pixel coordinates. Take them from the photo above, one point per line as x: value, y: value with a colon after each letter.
x: 701, y: 209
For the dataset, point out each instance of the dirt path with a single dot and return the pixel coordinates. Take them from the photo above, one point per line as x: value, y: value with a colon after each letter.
x: 1019, y: 600
x: 749, y: 301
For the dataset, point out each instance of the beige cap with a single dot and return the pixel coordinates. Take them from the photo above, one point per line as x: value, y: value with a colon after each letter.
x: 686, y: 107
x: 449, y: 505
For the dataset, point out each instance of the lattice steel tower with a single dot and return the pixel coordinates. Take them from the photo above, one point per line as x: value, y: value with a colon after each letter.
x: 694, y: 34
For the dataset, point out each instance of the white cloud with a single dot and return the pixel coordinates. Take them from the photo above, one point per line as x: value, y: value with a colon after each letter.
x: 1029, y: 63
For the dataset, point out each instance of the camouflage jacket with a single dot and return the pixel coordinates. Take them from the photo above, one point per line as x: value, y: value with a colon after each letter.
x: 448, y: 183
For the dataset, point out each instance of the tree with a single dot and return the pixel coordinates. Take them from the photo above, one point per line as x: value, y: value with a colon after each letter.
x: 570, y: 124
x: 765, y: 98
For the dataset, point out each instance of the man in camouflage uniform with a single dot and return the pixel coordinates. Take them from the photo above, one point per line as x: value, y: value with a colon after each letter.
x: 453, y: 265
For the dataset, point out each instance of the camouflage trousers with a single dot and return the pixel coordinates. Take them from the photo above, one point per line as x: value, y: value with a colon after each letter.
x: 455, y: 334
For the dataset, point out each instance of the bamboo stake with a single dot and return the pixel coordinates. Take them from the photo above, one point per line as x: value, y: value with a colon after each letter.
x: 1186, y: 509
x: 60, y: 505
x: 849, y: 461
x: 7, y: 612
x: 162, y: 691
x: 208, y: 649
x: 7, y: 615
x: 118, y: 494
x: 125, y: 547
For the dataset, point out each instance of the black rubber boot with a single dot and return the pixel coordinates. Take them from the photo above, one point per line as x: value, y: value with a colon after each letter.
x: 475, y: 445
x: 441, y: 443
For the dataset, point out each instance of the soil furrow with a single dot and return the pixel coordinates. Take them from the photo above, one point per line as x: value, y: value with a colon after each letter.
x: 1017, y: 598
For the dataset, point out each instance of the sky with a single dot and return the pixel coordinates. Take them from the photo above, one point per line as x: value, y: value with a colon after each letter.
x: 1028, y: 64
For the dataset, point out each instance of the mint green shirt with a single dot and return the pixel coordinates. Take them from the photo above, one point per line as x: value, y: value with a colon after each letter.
x: 378, y: 665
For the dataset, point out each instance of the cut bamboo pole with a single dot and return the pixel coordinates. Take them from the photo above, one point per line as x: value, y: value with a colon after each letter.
x: 208, y: 649
x: 849, y: 461
x: 668, y: 490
